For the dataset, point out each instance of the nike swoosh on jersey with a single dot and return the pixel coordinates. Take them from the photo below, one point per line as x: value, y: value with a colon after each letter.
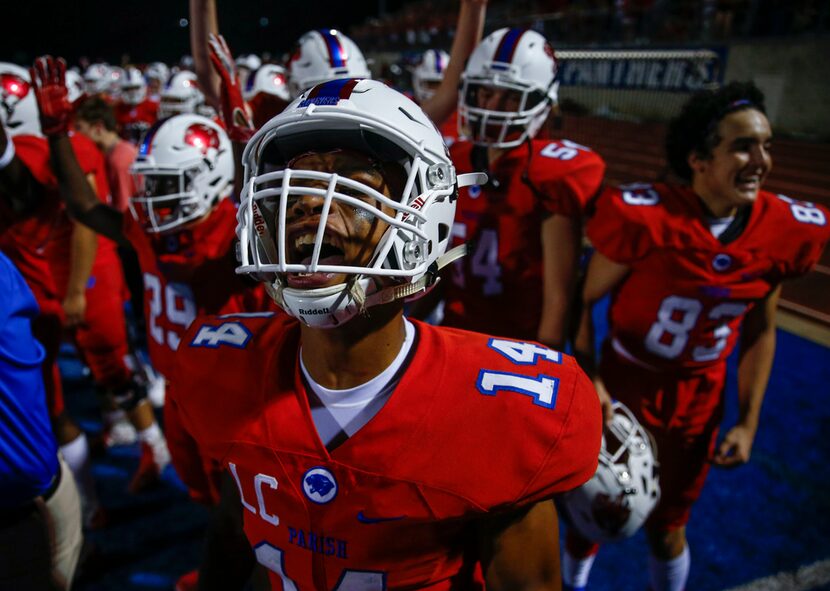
x: 363, y: 519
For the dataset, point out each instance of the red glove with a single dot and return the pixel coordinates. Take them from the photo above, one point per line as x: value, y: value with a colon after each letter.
x: 235, y: 112
x: 49, y: 83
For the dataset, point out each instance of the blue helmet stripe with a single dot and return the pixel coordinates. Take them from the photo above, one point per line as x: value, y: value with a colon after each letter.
x: 507, y: 47
x: 337, y: 57
x: 147, y: 142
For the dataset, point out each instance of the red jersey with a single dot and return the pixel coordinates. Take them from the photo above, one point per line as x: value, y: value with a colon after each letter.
x: 391, y: 507
x: 449, y: 129
x: 190, y: 273
x: 134, y: 120
x: 497, y: 288
x: 40, y: 243
x: 683, y: 302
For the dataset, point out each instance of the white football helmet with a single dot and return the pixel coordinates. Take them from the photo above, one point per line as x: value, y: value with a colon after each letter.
x: 183, y: 169
x: 75, y: 86
x: 97, y: 79
x: 367, y: 117
x: 133, y: 87
x: 616, y: 502
x: 18, y: 106
x: 116, y: 78
x: 428, y: 73
x: 518, y: 64
x: 157, y: 71
x: 246, y: 65
x: 180, y: 95
x: 270, y: 79
x: 323, y: 55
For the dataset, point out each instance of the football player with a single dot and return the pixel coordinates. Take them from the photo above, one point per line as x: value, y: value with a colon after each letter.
x: 72, y: 274
x: 524, y: 225
x: 156, y: 75
x: 181, y: 225
x: 135, y: 112
x: 694, y: 269
x: 364, y: 450
x: 426, y: 80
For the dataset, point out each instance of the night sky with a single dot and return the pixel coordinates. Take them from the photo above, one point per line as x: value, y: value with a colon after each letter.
x: 152, y: 30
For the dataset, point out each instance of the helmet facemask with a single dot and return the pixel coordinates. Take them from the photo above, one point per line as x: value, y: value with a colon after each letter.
x: 167, y: 200
x: 517, y: 117
x: 300, y: 260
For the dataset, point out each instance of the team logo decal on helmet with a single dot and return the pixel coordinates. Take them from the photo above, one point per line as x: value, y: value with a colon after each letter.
x: 202, y: 137
x: 319, y: 485
x: 18, y: 109
x: 616, y: 502
x: 371, y: 120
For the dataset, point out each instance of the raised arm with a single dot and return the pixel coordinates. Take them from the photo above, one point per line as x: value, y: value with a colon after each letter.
x: 754, y: 366
x: 203, y: 23
x: 235, y: 111
x: 603, y: 275
x: 468, y: 33
x: 520, y: 550
x: 49, y: 83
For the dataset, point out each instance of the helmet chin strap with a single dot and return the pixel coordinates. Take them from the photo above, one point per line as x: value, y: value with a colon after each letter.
x: 332, y: 306
x: 337, y: 304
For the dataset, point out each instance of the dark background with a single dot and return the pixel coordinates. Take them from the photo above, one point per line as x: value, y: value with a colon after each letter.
x: 150, y: 30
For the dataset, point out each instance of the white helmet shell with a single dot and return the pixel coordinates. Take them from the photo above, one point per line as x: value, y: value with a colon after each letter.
x: 157, y: 71
x: 270, y: 79
x: 616, y: 502
x: 181, y: 94
x: 116, y: 76
x: 183, y: 169
x: 368, y: 117
x: 97, y: 78
x: 323, y: 55
x: 250, y: 62
x: 75, y: 86
x: 430, y: 70
x: 133, y: 87
x: 18, y: 105
x: 517, y: 61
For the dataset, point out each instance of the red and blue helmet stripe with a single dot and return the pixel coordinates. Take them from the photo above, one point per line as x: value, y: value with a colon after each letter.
x: 507, y: 46
x: 147, y: 142
x: 330, y: 93
x: 439, y: 62
x: 337, y: 55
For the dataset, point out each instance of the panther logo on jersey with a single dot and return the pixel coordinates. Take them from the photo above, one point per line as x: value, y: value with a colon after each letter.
x: 319, y: 485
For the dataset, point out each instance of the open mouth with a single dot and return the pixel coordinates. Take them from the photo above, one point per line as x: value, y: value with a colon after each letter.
x: 301, y: 251
x: 749, y: 183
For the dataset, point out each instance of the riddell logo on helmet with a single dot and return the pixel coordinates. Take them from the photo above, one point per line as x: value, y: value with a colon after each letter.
x: 314, y: 312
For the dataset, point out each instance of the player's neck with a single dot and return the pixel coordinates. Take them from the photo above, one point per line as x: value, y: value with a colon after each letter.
x: 493, y: 154
x: 355, y: 353
x: 717, y: 207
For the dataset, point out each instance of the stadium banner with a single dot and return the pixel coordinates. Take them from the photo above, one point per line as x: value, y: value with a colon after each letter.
x: 661, y: 70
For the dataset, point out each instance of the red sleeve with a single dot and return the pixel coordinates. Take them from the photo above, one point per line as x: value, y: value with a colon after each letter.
x: 570, y: 192
x: 192, y: 467
x: 619, y: 226
x: 33, y: 152
x: 573, y: 456
x: 798, y: 234
x: 92, y: 162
